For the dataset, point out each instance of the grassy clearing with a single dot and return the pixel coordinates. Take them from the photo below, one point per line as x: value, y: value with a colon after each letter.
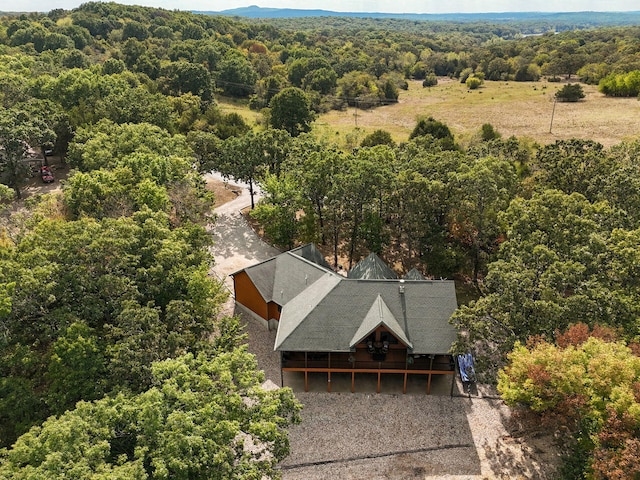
x: 522, y: 109
x: 240, y: 106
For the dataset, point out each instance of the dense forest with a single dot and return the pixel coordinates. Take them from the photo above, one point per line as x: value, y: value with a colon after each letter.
x: 112, y: 337
x: 526, y: 23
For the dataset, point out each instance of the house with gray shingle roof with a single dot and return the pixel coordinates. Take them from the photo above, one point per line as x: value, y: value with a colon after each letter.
x: 369, y: 322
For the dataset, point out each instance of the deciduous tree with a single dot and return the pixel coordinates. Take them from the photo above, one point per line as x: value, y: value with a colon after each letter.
x: 549, y: 274
x: 291, y: 111
x: 20, y: 131
x: 590, y: 385
x: 205, y: 417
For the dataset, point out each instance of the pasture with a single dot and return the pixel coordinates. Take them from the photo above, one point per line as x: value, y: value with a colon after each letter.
x: 522, y: 109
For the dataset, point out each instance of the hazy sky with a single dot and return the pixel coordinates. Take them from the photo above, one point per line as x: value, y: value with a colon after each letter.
x: 385, y: 6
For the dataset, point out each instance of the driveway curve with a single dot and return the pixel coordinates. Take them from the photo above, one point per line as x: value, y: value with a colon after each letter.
x: 235, y: 244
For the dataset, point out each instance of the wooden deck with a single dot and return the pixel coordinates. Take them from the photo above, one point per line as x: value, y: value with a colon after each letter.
x: 395, y: 362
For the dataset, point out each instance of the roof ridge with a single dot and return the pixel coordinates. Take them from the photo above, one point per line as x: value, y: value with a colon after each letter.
x: 300, y: 257
x: 255, y: 264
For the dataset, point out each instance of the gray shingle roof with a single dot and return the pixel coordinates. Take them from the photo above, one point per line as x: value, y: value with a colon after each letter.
x: 371, y: 267
x: 298, y: 308
x: 414, y: 274
x: 329, y: 319
x: 281, y: 278
x: 310, y: 252
x: 325, y: 312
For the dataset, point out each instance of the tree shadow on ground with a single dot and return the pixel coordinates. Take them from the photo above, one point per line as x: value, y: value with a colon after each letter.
x: 530, y: 450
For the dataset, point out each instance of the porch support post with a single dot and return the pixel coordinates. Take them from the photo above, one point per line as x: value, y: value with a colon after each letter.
x: 306, y: 373
x: 281, y: 371
x: 453, y: 377
x: 329, y: 374
x: 353, y: 381
x: 406, y: 373
x: 429, y: 380
x: 378, y: 389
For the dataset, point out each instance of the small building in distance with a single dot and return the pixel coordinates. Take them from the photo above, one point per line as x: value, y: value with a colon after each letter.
x: 369, y: 322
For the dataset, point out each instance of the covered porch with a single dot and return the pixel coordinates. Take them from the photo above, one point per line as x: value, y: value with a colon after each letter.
x: 363, y: 368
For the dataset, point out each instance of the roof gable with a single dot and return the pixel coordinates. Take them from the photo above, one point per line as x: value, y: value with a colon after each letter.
x: 379, y: 314
x: 414, y: 274
x: 372, y: 267
x: 262, y: 276
x: 281, y: 278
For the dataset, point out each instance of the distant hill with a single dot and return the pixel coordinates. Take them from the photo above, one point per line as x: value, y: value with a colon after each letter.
x: 584, y: 19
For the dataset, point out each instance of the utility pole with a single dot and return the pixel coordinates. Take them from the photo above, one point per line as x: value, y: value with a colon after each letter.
x: 553, y: 112
x: 355, y: 114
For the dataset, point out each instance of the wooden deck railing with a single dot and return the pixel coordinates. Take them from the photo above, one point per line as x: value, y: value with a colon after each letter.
x: 340, y: 363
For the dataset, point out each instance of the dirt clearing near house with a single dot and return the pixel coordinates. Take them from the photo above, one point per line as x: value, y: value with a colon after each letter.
x: 223, y: 192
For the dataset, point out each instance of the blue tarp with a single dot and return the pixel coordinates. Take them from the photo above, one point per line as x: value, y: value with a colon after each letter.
x: 467, y: 371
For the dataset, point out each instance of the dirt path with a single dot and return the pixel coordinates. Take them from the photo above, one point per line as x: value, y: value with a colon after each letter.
x: 380, y: 436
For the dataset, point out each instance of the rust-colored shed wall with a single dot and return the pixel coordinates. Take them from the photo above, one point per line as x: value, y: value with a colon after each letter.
x: 248, y: 295
x: 274, y: 311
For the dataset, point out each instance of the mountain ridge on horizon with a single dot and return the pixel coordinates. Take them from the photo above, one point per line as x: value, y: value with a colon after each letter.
x: 590, y: 17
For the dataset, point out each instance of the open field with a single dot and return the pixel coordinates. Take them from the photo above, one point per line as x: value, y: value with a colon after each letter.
x: 241, y: 107
x: 522, y: 109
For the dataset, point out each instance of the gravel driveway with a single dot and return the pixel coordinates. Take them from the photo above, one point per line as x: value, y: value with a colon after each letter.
x: 378, y: 436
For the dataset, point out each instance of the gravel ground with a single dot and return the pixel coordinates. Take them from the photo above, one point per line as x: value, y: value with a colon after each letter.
x: 372, y: 436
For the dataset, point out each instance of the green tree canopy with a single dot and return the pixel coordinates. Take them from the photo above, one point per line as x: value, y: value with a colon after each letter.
x: 379, y: 137
x: 20, y: 130
x: 571, y: 92
x: 88, y: 305
x: 186, y: 77
x: 236, y: 76
x: 553, y: 270
x: 205, y: 416
x: 431, y: 126
x: 574, y: 165
x: 621, y: 84
x: 291, y: 111
x: 249, y: 157
x: 106, y: 143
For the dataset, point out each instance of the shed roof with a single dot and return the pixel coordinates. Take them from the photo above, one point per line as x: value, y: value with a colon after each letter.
x: 281, y: 278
